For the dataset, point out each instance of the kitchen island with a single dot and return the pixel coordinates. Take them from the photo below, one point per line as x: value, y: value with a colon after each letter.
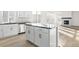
x: 42, y: 35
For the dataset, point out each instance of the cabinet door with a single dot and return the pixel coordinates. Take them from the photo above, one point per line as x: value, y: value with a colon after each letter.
x: 1, y: 31
x: 5, y: 16
x: 41, y: 37
x: 37, y: 40
x: 44, y: 40
x: 30, y: 34
x: 14, y: 29
x: 12, y: 16
x: 10, y: 30
x: 6, y: 30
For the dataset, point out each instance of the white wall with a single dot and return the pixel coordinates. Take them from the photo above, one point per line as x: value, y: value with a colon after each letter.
x: 75, y: 18
x: 50, y: 17
x: 66, y: 13
x: 54, y: 17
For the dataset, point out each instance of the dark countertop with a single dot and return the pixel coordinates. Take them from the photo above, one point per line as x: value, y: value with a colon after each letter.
x: 39, y: 26
x: 72, y: 27
x: 13, y: 23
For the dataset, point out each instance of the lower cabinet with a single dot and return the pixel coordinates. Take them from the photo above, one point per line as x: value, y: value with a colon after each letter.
x: 30, y: 33
x: 41, y: 37
x: 1, y: 31
x: 8, y: 30
x: 44, y: 40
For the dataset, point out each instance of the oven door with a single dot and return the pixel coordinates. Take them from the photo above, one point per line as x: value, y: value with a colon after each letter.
x: 66, y: 22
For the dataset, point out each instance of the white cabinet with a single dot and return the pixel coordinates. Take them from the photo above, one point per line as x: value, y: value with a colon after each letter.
x: 24, y: 16
x: 5, y: 16
x: 14, y: 28
x: 1, y: 31
x: 10, y: 30
x: 37, y: 36
x: 30, y: 33
x: 42, y: 37
x: 24, y: 13
x: 1, y: 16
x: 6, y: 30
x: 12, y: 16
x: 21, y: 28
x: 8, y: 16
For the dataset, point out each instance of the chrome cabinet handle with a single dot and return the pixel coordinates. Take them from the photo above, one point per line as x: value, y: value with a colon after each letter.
x: 40, y: 36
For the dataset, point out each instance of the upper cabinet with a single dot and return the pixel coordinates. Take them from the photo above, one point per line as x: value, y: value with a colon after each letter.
x: 24, y: 16
x: 12, y: 16
x: 8, y: 16
x: 16, y: 16
x: 1, y: 16
x: 5, y: 16
x: 12, y: 13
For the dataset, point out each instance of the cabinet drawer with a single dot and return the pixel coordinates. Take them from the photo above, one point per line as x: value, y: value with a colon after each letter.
x: 45, y: 30
x: 29, y: 27
x: 42, y: 30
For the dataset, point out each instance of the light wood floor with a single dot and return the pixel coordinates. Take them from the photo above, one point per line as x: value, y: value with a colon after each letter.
x: 68, y: 37
x: 15, y: 41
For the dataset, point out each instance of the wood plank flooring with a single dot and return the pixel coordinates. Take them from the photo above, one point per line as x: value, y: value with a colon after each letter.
x: 15, y: 41
x: 68, y: 37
